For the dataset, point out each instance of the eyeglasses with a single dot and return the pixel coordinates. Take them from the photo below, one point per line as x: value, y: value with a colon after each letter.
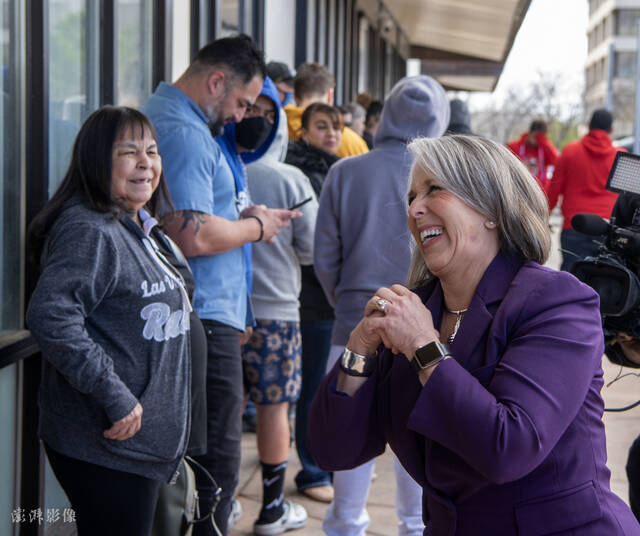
x: 255, y: 111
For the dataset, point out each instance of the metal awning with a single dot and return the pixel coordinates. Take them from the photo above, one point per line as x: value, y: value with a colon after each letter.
x: 462, y: 43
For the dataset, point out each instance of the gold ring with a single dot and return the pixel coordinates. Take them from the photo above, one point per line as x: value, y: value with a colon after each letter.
x: 381, y: 304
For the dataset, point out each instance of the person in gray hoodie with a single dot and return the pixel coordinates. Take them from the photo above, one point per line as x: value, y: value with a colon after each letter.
x: 272, y: 357
x: 111, y: 316
x: 361, y: 244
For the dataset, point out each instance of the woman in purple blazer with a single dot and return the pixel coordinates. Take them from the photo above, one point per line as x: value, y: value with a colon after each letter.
x: 485, y: 378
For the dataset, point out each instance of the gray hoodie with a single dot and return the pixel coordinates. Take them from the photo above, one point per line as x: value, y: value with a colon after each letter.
x: 276, y: 267
x: 112, y: 322
x: 362, y: 241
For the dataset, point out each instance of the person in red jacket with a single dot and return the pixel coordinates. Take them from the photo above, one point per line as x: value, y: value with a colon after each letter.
x: 536, y: 152
x: 580, y: 177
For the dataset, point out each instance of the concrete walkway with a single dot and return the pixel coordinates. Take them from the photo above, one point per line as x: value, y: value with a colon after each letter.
x: 380, y: 505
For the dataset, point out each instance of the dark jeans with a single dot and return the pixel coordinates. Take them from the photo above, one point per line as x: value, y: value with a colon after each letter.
x: 316, y: 343
x: 198, y: 435
x: 633, y: 475
x: 224, y: 419
x: 575, y: 247
x: 106, y: 501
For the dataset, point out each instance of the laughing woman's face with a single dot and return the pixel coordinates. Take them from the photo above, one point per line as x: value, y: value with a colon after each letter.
x: 451, y: 235
x: 135, y: 169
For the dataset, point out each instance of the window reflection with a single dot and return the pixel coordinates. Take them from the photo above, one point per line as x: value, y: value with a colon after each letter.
x: 11, y: 262
x: 10, y: 170
x: 363, y: 53
x: 625, y: 64
x: 134, y: 43
x: 231, y: 17
x: 8, y: 379
x: 73, y: 48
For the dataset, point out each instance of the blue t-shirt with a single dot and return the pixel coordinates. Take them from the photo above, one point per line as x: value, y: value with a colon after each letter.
x: 200, y: 179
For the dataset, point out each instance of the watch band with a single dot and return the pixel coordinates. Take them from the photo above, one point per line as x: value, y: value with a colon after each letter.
x: 355, y: 364
x: 428, y: 355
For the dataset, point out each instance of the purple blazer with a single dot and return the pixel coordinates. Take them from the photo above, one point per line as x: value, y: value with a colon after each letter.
x: 507, y: 437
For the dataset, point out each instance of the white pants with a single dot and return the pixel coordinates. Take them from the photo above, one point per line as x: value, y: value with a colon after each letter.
x: 347, y: 514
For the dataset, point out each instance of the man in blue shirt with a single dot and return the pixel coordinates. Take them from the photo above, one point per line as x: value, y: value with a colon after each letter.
x: 211, y: 223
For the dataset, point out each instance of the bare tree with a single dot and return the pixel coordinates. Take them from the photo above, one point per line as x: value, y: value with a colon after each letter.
x: 546, y: 98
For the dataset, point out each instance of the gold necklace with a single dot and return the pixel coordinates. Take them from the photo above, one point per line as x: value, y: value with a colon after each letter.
x: 459, y: 314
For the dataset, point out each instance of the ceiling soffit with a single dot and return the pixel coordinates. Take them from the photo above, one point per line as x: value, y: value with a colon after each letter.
x: 462, y: 43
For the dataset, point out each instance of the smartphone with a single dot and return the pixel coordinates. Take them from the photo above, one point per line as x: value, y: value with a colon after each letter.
x: 298, y: 205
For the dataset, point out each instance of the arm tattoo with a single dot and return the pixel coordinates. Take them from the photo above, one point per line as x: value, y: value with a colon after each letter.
x: 198, y: 218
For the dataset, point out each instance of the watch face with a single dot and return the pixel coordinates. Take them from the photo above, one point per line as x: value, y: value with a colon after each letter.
x: 434, y: 351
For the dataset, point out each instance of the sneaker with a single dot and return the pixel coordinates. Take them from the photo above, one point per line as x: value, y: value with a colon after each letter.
x: 293, y: 517
x: 235, y: 514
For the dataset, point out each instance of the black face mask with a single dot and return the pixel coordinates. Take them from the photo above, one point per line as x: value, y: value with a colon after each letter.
x: 252, y: 132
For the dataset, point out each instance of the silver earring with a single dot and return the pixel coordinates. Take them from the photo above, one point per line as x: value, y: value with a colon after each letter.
x: 491, y: 224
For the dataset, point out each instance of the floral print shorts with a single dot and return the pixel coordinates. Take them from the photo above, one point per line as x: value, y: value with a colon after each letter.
x: 272, y: 362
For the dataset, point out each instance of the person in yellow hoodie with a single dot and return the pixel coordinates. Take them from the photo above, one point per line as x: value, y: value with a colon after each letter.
x: 315, y: 83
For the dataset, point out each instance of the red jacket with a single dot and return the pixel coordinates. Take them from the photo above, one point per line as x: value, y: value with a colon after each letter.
x: 536, y: 158
x: 581, y: 176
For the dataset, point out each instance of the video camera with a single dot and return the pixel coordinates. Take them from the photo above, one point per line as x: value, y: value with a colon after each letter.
x: 613, y: 272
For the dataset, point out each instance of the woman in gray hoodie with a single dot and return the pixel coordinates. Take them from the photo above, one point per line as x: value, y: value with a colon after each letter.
x: 111, y: 316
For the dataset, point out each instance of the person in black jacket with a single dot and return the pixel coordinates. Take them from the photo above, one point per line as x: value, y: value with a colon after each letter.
x: 314, y: 153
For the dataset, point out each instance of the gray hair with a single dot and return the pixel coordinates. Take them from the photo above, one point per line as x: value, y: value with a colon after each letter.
x: 356, y: 111
x: 491, y: 179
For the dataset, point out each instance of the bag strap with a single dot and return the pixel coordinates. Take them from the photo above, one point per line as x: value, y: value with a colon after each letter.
x: 196, y: 467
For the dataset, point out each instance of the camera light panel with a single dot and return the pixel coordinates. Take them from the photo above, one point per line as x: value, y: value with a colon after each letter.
x: 625, y: 173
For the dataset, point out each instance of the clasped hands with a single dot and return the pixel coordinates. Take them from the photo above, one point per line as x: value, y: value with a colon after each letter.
x: 403, y: 326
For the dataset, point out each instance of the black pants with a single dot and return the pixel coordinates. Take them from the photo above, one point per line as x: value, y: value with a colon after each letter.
x: 198, y: 435
x: 224, y: 418
x: 106, y: 501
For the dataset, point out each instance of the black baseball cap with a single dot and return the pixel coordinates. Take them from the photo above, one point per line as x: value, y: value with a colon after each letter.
x: 280, y: 72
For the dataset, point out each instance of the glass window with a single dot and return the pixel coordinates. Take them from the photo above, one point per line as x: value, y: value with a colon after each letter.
x: 11, y: 263
x: 134, y: 31
x: 181, y: 38
x: 363, y: 54
x: 231, y: 17
x: 8, y: 402
x: 627, y: 21
x: 388, y: 67
x: 331, y: 36
x: 11, y: 170
x: 73, y: 77
x: 625, y: 64
x: 321, y: 33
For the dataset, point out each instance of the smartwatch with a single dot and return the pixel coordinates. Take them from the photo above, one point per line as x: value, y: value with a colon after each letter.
x: 428, y: 355
x: 355, y: 364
